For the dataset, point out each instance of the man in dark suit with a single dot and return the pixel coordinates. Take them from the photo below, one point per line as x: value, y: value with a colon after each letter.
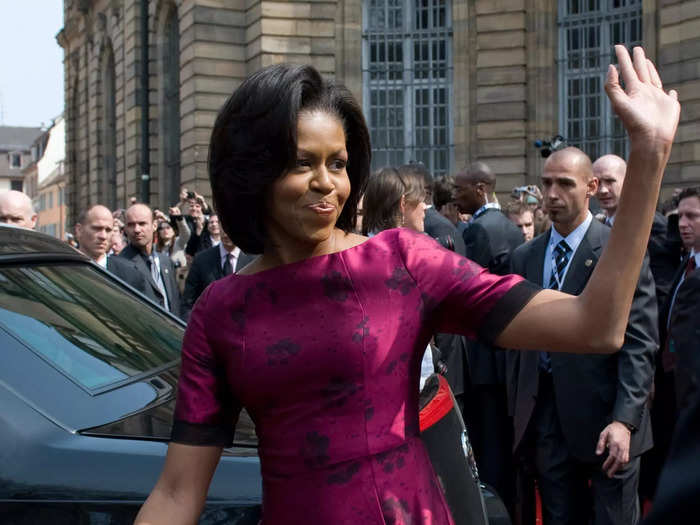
x: 489, y: 240
x: 569, y: 409
x: 157, y: 269
x: 93, y: 231
x: 212, y: 264
x: 435, y: 224
x: 679, y: 325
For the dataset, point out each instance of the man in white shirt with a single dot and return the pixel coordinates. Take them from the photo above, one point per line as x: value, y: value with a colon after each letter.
x: 93, y: 231
x: 683, y: 303
x: 580, y: 418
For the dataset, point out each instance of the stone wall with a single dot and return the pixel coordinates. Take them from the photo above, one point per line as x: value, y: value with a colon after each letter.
x: 678, y: 41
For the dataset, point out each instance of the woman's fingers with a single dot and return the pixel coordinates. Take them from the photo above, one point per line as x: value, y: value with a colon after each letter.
x: 640, y: 65
x: 654, y: 75
x: 629, y: 75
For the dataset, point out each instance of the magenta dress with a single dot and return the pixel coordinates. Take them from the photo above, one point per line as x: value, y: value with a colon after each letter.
x: 325, y: 355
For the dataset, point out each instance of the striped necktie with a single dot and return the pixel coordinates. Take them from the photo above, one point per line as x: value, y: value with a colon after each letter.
x: 560, y: 258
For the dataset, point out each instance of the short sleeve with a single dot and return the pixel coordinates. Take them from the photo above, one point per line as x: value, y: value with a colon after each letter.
x: 206, y: 410
x: 459, y: 296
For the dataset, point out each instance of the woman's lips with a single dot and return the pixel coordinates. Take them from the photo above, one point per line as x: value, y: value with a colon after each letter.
x: 322, y: 208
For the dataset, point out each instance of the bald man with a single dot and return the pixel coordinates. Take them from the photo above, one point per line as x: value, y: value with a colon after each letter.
x: 16, y: 208
x: 663, y: 252
x: 582, y: 417
x: 610, y: 172
x: 157, y: 268
x: 93, y: 231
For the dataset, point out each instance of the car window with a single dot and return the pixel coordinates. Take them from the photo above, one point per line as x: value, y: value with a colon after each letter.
x: 84, y: 325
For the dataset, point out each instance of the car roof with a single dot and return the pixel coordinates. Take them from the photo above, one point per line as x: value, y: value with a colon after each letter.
x: 22, y: 241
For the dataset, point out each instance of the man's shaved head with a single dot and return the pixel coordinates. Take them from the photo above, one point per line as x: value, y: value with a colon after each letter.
x: 480, y: 172
x: 94, y: 211
x: 16, y: 208
x: 610, y: 171
x: 574, y: 159
x: 610, y: 162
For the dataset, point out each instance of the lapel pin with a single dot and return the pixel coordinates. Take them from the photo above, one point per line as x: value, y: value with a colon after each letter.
x: 588, y: 262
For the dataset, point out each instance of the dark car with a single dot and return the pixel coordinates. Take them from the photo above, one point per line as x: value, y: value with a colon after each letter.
x: 88, y: 369
x: 88, y: 373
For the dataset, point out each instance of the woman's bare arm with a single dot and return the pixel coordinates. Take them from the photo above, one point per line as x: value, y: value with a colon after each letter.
x: 181, y: 490
x: 595, y: 321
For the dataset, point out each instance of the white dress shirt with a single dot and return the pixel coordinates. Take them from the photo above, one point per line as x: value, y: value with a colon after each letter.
x: 573, y: 240
x: 234, y: 256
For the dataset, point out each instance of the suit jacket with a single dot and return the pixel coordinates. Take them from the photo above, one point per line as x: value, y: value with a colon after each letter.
x: 683, y: 333
x: 127, y: 272
x: 489, y: 240
x: 443, y: 231
x: 590, y: 391
x: 205, y: 269
x: 167, y: 272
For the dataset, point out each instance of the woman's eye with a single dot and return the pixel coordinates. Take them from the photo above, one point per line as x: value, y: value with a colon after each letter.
x: 338, y: 164
x: 303, y: 163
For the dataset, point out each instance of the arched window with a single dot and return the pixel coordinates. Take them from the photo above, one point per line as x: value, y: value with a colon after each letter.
x: 107, y: 182
x: 169, y: 174
x: 407, y: 81
x: 588, y: 30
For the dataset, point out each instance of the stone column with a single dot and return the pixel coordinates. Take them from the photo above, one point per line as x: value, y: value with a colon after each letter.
x: 212, y: 65
x: 499, y: 89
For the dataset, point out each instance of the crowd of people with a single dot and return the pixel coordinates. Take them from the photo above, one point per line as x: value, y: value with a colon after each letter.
x: 589, y: 433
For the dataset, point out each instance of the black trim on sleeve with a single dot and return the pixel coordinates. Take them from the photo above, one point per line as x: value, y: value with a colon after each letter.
x: 201, y: 434
x: 505, y: 310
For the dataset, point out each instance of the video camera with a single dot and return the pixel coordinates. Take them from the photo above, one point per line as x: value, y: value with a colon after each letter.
x: 547, y: 147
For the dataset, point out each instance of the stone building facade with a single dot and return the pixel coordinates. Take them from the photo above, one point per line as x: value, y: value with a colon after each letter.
x: 443, y: 82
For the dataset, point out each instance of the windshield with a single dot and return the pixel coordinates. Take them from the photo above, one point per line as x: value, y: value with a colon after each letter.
x: 84, y: 325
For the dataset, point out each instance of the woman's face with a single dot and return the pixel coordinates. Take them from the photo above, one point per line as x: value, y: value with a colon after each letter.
x: 414, y: 215
x: 166, y: 232
x: 304, y: 204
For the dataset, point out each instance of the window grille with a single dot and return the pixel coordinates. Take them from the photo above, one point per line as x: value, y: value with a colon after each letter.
x: 588, y: 30
x: 407, y: 82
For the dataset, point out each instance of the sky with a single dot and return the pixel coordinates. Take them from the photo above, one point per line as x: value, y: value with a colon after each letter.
x: 31, y: 62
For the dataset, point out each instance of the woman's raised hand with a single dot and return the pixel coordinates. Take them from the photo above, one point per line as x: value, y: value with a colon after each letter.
x: 649, y: 114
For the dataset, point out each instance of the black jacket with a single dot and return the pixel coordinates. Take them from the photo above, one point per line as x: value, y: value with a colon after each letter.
x: 677, y: 499
x: 205, y: 269
x: 443, y: 231
x: 590, y: 391
x: 127, y: 272
x: 683, y: 333
x: 489, y: 240
x: 167, y: 271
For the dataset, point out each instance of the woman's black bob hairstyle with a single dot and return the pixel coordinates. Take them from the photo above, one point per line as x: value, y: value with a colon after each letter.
x: 254, y: 142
